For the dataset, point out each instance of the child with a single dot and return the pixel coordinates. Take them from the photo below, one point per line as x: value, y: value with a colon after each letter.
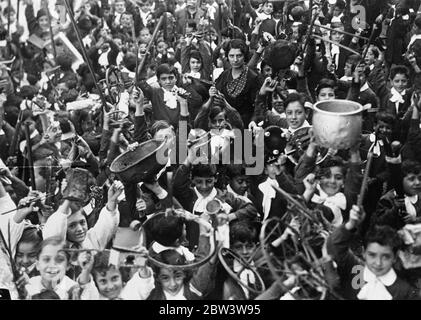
x: 72, y: 226
x: 375, y: 278
x: 52, y: 264
x: 243, y: 241
x: 175, y: 284
x: 398, y: 100
x: 194, y: 194
x: 402, y: 205
x: 336, y: 187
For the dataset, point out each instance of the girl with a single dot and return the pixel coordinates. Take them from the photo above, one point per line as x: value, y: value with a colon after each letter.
x: 52, y: 264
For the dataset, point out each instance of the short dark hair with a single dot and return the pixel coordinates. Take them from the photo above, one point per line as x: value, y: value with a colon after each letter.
x: 385, y: 236
x: 399, y: 69
x: 243, y: 231
x: 238, y: 44
x: 235, y: 170
x: 410, y: 167
x: 325, y: 83
x: 167, y: 230
x: 386, y: 118
x: 165, y: 69
x: 324, y: 168
x: 204, y: 170
x: 294, y: 97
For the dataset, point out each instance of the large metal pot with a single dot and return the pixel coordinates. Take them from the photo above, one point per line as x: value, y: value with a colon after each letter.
x: 337, y: 123
x: 141, y: 164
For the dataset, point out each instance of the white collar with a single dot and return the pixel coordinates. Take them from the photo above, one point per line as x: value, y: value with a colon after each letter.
x: 170, y: 99
x: 364, y: 87
x: 177, y: 296
x: 305, y: 125
x: 375, y: 287
x: 372, y: 67
x: 244, y: 198
x: 201, y: 202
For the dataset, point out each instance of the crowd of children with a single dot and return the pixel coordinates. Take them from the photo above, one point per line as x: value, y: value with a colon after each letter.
x: 80, y: 88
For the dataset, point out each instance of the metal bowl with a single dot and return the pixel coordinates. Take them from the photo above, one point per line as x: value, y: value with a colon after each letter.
x: 337, y: 124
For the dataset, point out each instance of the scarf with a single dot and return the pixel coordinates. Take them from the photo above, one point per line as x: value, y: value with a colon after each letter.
x: 409, y: 205
x: 305, y: 125
x: 336, y: 203
x: 103, y: 58
x: 376, y: 145
x: 375, y: 287
x: 236, y: 86
x: 335, y: 51
x: 201, y: 202
x: 246, y: 276
x: 170, y: 99
x: 397, y: 98
x: 195, y: 75
x: 268, y: 194
x: 244, y: 198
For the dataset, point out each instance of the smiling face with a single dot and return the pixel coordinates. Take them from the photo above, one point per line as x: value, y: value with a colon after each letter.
x: 379, y: 259
x: 412, y: 184
x: 243, y: 249
x: 43, y: 23
x: 268, y: 8
x: 204, y: 185
x: 171, y: 281
x: 333, y: 181
x: 26, y: 254
x: 76, y: 227
x: 295, y: 115
x: 120, y: 7
x: 109, y: 283
x: 52, y: 265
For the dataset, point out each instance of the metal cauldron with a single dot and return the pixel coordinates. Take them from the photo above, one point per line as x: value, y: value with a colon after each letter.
x: 337, y: 124
x: 141, y: 164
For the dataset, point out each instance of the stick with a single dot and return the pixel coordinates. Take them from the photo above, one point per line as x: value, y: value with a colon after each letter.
x: 369, y: 42
x: 9, y: 7
x: 148, y: 48
x: 337, y: 44
x: 51, y: 33
x: 29, y: 156
x: 344, y: 32
x: 85, y: 55
x: 365, y: 178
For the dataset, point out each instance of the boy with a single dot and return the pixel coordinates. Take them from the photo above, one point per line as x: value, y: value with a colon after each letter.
x: 194, y: 199
x: 398, y: 100
x: 375, y: 278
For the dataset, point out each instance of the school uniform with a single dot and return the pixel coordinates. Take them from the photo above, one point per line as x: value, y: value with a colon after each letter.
x: 357, y: 281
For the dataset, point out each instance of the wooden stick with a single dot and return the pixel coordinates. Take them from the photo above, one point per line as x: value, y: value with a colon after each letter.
x: 148, y: 48
x: 337, y: 44
x: 29, y: 156
x: 53, y: 45
x: 344, y: 32
x: 85, y: 55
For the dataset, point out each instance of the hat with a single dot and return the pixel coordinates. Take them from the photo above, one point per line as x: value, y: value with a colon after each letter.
x: 270, y: 158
